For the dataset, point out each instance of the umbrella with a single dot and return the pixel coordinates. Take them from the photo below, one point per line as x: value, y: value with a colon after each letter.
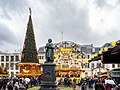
x: 27, y: 79
x: 109, y: 82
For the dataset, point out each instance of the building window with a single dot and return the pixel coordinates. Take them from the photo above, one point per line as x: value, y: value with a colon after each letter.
x: 113, y: 65
x: 17, y: 58
x: 86, y: 73
x: 12, y: 58
x: 7, y: 65
x: 92, y: 65
x: 7, y: 58
x: 88, y: 56
x: 98, y: 65
x: 16, y: 67
x: 39, y: 57
x: 2, y: 58
x: 118, y: 65
x: 103, y: 65
x: 85, y: 65
x: 2, y: 64
x: 12, y: 73
x: 42, y: 57
x: 93, y: 49
x: 12, y: 66
x: 17, y: 72
x: 88, y: 65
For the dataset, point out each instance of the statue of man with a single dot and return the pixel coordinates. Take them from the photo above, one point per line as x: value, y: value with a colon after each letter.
x: 49, y: 51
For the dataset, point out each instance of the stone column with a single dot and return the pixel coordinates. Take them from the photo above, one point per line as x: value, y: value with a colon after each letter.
x: 48, y: 81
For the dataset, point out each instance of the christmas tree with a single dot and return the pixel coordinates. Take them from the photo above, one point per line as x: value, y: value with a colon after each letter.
x: 29, y: 53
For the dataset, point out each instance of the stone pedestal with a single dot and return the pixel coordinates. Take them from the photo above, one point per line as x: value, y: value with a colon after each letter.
x: 48, y: 81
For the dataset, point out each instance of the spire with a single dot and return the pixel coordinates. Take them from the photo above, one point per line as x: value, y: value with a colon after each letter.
x: 30, y: 11
x: 29, y: 53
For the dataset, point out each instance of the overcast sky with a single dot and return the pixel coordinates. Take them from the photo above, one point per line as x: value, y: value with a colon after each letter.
x: 82, y: 21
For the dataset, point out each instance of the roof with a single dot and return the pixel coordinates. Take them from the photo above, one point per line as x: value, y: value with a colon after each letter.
x: 67, y: 44
x: 41, y: 49
x: 112, y: 55
x: 106, y: 45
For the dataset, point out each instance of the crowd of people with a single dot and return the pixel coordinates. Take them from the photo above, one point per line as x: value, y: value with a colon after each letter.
x: 87, y: 83
x: 22, y: 83
x: 18, y: 83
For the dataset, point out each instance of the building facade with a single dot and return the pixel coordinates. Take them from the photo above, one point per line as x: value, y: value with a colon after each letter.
x: 67, y: 55
x: 71, y: 55
x: 98, y: 66
x: 9, y: 60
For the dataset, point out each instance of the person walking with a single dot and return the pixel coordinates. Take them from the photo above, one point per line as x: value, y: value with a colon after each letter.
x: 84, y: 85
x: 10, y: 85
x: 108, y: 86
x: 1, y: 83
x: 74, y: 83
x: 16, y: 86
x: 4, y: 83
x: 99, y: 85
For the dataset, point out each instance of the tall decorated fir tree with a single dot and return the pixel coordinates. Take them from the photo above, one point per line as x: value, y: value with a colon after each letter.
x: 29, y: 53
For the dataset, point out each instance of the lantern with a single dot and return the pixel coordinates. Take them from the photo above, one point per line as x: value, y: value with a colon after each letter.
x: 35, y: 47
x: 22, y: 56
x: 100, y: 52
x: 36, y: 57
x: 106, y: 49
x: 92, y: 57
x: 96, y: 55
x: 113, y: 44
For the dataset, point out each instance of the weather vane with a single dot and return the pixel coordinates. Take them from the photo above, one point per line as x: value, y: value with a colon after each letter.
x: 30, y: 11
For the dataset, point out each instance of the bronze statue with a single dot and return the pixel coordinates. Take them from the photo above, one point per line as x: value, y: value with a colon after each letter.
x: 49, y: 51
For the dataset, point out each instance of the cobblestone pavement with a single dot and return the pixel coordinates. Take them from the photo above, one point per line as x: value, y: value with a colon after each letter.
x: 71, y: 88
x: 79, y: 88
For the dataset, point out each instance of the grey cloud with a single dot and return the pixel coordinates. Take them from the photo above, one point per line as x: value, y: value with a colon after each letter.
x: 12, y: 7
x: 6, y: 36
x: 74, y: 22
x: 60, y: 15
x: 104, y: 3
x: 65, y: 17
x: 100, y: 3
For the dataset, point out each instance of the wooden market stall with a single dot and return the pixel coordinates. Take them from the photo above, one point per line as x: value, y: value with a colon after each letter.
x: 3, y: 72
x: 29, y: 69
x: 72, y: 72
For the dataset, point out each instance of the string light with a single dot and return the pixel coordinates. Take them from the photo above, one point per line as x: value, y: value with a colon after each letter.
x: 106, y: 49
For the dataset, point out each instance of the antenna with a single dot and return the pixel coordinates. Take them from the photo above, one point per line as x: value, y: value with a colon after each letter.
x: 62, y: 36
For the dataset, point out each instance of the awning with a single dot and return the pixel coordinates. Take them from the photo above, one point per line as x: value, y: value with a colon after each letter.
x: 112, y: 55
x: 29, y: 74
x: 96, y: 58
x: 104, y: 75
x: 4, y: 74
x: 31, y: 64
x: 86, y: 69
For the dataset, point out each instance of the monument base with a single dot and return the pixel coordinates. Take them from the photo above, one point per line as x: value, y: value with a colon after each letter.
x: 48, y: 81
